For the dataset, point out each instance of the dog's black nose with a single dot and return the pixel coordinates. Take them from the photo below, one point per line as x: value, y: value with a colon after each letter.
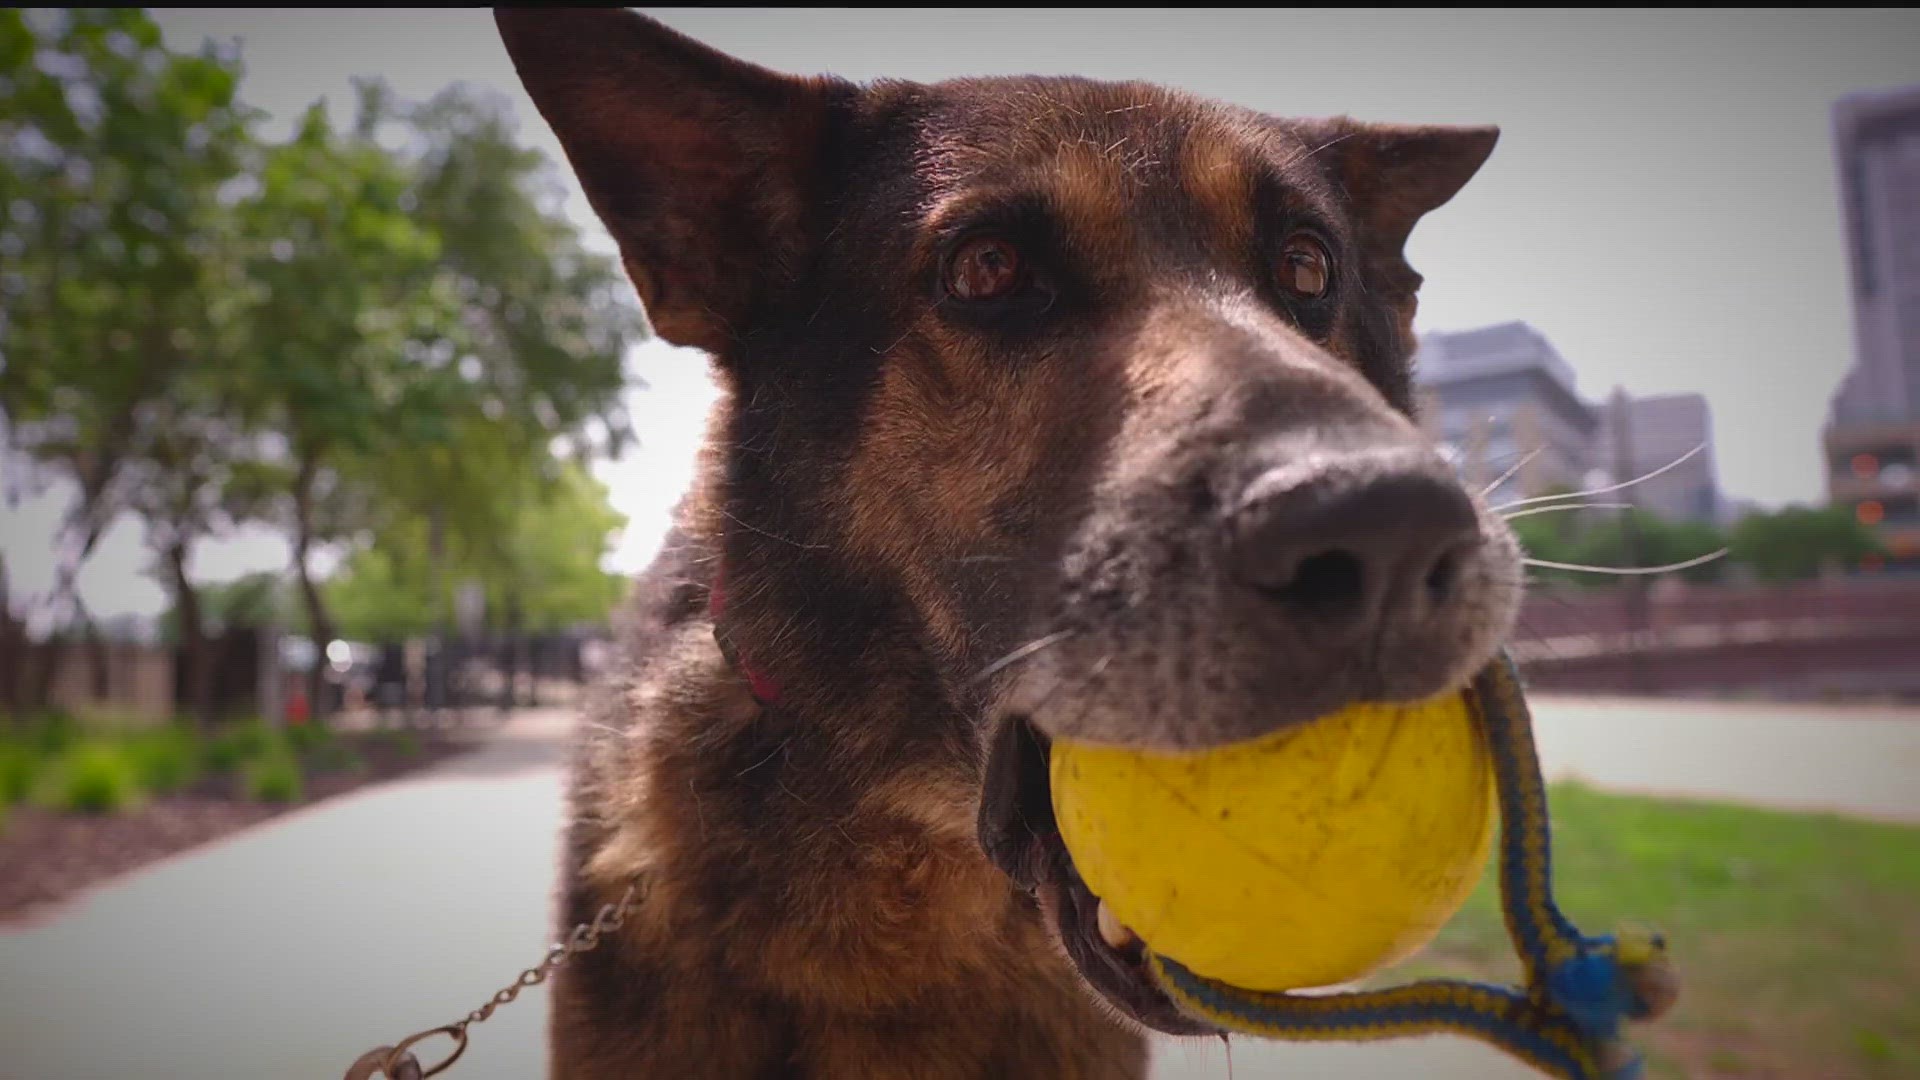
x: 1347, y: 543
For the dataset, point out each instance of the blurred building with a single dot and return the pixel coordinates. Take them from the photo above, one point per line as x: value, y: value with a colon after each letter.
x: 1640, y: 436
x: 1502, y: 398
x: 1497, y: 394
x: 1872, y: 437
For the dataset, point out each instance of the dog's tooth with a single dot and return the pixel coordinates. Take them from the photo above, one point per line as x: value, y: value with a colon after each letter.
x: 1112, y: 930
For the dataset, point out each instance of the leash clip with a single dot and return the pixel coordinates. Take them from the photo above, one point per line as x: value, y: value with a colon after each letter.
x: 398, y: 1063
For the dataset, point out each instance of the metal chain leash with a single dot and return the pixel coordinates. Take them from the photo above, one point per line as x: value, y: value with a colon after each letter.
x: 398, y: 1062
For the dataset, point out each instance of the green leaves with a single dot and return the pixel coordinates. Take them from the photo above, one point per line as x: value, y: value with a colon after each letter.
x: 1792, y: 544
x: 1591, y: 538
x: 540, y: 568
x: 1798, y: 542
x: 347, y: 340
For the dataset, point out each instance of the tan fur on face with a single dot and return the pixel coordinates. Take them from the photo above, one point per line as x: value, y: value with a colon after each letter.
x: 1215, y: 172
x: 1092, y: 190
x: 952, y: 435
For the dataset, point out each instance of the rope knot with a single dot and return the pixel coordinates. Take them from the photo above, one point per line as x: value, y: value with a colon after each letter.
x: 1652, y: 982
x: 1625, y: 975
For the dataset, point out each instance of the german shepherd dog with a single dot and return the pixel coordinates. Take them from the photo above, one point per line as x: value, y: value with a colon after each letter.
x: 1052, y: 408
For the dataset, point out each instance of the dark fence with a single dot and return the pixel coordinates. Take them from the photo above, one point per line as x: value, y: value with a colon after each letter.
x: 450, y: 678
x: 234, y: 660
x: 1845, y: 637
x: 126, y: 680
x: 1851, y: 636
x: 433, y: 679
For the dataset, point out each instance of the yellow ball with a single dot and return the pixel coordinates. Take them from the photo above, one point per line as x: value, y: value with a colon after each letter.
x: 1302, y: 859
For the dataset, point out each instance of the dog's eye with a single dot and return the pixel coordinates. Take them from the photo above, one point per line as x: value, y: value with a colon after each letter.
x: 1305, y: 269
x: 984, y: 269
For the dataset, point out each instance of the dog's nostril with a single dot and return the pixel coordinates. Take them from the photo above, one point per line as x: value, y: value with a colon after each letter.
x: 1440, y: 579
x: 1200, y: 497
x: 1346, y: 550
x: 1329, y: 581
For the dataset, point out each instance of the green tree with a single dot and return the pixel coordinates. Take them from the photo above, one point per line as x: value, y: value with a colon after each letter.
x: 253, y: 600
x: 341, y: 283
x: 542, y: 573
x: 1797, y: 542
x: 429, y: 327
x: 1598, y: 538
x: 114, y: 153
x: 546, y: 322
x: 360, y: 344
x: 177, y: 484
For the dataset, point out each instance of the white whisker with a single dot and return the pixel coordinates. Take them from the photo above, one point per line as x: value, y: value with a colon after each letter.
x: 1509, y: 474
x: 1675, y: 463
x: 1022, y: 653
x: 1627, y: 570
x: 1566, y: 506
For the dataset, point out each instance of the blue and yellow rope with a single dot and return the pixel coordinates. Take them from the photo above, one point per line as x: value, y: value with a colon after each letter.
x: 1565, y: 1021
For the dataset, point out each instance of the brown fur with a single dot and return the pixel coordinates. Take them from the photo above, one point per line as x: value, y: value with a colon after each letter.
x: 901, y: 493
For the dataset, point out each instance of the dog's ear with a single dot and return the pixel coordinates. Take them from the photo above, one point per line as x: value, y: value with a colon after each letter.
x: 699, y: 164
x: 1395, y: 174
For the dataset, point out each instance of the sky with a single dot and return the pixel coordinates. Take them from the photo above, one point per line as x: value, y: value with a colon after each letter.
x: 1663, y: 203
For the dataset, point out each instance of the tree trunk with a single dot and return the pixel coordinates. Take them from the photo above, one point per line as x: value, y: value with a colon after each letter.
x: 12, y: 644
x: 503, y: 651
x: 88, y: 516
x: 96, y: 472
x: 48, y: 656
x: 100, y: 678
x: 319, y: 624
x: 195, y: 655
x: 516, y: 650
x: 535, y: 654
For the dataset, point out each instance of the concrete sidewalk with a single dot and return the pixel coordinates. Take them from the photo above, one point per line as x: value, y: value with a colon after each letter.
x: 288, y: 950
x: 1863, y: 761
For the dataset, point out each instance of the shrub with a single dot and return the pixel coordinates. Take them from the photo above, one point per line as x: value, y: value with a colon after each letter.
x: 19, y: 764
x: 309, y: 736
x: 53, y: 731
x: 273, y: 776
x: 168, y: 757
x: 93, y: 777
x: 237, y: 745
x: 332, y: 756
x: 402, y: 741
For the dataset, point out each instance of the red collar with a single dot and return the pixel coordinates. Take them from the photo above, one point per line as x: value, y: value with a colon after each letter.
x: 765, y: 690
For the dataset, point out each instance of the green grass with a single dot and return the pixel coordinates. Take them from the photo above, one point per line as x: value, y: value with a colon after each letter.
x: 1797, y: 936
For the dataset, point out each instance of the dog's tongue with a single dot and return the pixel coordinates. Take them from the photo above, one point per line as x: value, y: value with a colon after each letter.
x: 1114, y: 932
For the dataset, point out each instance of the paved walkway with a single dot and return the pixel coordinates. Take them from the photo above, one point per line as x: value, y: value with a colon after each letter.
x: 286, y: 951
x: 1862, y: 761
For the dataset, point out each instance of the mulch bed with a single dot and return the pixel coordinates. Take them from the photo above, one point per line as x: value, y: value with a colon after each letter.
x: 48, y: 856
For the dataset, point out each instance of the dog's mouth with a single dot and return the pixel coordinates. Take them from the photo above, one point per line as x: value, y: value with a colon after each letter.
x: 1018, y: 832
